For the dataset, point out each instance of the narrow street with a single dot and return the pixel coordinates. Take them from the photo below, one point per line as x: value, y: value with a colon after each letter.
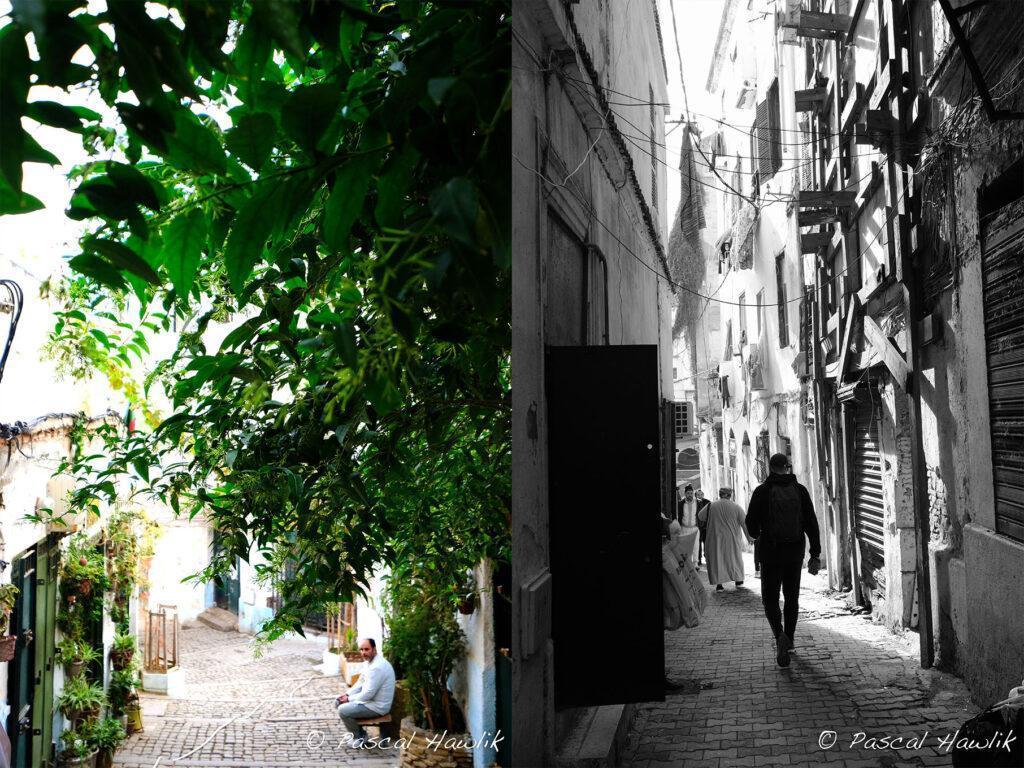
x: 241, y: 712
x: 848, y: 676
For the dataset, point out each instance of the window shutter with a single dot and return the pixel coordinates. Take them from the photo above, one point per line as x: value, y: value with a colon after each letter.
x: 764, y: 155
x: 727, y: 355
x: 774, y: 127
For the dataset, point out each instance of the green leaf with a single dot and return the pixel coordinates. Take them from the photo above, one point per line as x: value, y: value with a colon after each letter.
x: 437, y: 87
x: 99, y: 270
x: 34, y: 153
x: 11, y: 202
x: 195, y: 147
x: 251, y: 56
x: 31, y: 14
x: 123, y: 257
x: 345, y: 202
x: 350, y: 33
x: 57, y: 115
x: 455, y: 206
x: 280, y: 19
x: 393, y: 187
x: 184, y: 238
x: 133, y: 184
x: 252, y: 139
x: 14, y: 83
x: 308, y: 112
x: 250, y: 231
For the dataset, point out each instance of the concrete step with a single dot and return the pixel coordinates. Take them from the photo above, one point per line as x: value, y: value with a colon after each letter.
x: 596, y: 738
x: 219, y: 619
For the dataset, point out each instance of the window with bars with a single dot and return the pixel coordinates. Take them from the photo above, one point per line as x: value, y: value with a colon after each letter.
x: 781, y: 298
x: 681, y: 418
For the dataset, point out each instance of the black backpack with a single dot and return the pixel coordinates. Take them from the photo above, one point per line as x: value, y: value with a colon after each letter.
x: 784, y: 524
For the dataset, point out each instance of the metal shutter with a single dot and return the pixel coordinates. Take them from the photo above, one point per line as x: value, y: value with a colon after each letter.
x: 1003, y: 271
x: 868, y: 509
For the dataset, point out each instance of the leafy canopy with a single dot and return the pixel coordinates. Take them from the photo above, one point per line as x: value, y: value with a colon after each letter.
x: 315, y: 197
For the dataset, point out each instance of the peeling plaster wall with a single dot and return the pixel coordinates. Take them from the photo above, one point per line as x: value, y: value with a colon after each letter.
x: 545, y: 120
x: 977, y: 574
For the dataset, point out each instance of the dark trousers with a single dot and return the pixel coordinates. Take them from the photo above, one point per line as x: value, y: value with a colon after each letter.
x: 781, y: 570
x: 757, y: 555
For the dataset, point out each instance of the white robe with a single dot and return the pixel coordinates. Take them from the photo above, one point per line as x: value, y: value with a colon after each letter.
x: 724, y: 546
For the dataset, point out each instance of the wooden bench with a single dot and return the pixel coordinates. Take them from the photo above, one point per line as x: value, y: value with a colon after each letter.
x: 383, y: 722
x: 374, y: 720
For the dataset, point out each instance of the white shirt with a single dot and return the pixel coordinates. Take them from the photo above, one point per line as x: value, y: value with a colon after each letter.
x: 688, y: 513
x: 375, y: 688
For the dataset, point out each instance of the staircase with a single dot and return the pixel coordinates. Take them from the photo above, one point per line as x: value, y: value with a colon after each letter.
x: 219, y: 619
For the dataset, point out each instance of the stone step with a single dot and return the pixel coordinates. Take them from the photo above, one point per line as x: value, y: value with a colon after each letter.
x: 219, y: 619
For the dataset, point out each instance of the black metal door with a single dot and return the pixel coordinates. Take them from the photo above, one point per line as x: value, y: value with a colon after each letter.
x: 1003, y: 268
x: 605, y: 492
x: 21, y: 672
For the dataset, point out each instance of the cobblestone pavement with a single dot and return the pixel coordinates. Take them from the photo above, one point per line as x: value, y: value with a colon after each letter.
x: 274, y: 711
x: 847, y: 676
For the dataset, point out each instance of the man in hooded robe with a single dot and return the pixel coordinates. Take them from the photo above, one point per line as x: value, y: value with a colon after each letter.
x: 726, y: 533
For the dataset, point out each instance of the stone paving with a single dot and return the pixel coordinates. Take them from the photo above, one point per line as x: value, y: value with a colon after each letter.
x: 847, y: 676
x: 274, y: 711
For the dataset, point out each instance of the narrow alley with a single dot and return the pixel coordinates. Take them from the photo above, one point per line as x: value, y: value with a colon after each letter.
x: 848, y: 676
x: 274, y: 711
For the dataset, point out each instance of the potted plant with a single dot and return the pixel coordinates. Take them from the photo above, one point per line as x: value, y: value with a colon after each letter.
x: 75, y: 656
x: 78, y: 751
x: 107, y: 735
x: 122, y: 651
x: 8, y: 595
x: 121, y: 689
x: 352, y: 664
x: 80, y: 699
x: 424, y: 644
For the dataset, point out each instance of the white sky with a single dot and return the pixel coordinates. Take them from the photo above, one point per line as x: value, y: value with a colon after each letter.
x: 697, y: 23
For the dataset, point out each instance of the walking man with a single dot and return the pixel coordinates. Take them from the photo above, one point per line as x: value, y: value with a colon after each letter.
x: 703, y: 526
x: 780, y: 515
x: 371, y: 696
x: 725, y: 539
x: 688, y: 521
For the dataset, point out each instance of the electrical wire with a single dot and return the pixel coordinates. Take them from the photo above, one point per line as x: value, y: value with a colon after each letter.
x: 641, y: 260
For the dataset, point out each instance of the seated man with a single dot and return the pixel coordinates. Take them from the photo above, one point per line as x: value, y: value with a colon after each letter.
x: 372, y: 694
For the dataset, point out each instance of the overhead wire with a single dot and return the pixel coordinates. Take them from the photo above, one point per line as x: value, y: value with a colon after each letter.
x: 687, y: 289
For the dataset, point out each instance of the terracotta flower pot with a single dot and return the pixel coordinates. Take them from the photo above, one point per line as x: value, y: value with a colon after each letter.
x: 121, y: 659
x: 74, y: 669
x: 419, y: 750
x: 105, y: 758
x: 78, y: 762
x: 353, y: 656
x: 7, y: 645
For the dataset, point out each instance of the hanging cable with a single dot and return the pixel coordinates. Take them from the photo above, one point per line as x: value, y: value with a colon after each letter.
x: 589, y: 208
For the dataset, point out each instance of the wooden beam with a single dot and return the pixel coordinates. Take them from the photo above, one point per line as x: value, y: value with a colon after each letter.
x: 826, y: 198
x: 814, y: 218
x: 810, y: 98
x: 813, y: 24
x: 833, y: 322
x: 810, y: 242
x: 852, y: 310
x: 891, y: 356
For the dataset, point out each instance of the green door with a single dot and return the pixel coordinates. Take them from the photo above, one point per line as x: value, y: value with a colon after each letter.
x: 47, y: 561
x: 227, y: 588
x: 21, y: 671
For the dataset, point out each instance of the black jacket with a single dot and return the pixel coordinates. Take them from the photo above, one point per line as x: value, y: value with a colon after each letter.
x: 757, y: 511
